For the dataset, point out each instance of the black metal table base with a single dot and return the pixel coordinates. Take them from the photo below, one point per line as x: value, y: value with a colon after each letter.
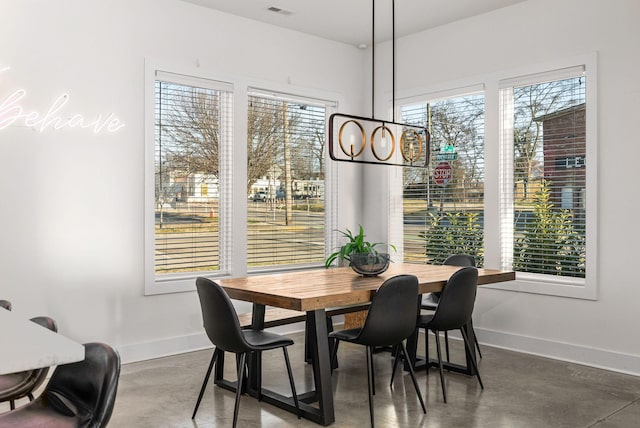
x: 322, y: 412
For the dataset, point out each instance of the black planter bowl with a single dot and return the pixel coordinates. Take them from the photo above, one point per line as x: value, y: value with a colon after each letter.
x: 369, y: 264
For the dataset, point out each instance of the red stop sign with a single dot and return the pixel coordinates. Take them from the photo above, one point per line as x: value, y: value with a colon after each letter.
x: 442, y: 173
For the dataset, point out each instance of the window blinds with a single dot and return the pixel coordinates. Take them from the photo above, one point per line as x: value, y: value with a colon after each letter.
x: 443, y: 206
x: 192, y: 127
x: 286, y: 181
x: 544, y: 151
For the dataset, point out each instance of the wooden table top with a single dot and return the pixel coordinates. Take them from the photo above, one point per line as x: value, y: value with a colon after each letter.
x: 322, y: 288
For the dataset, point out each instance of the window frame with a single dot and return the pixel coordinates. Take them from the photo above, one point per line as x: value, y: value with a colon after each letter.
x: 586, y: 288
x: 431, y: 97
x: 235, y: 233
x: 329, y: 197
x: 581, y: 288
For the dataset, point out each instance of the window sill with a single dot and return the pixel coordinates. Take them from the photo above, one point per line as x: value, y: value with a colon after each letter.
x: 576, y: 288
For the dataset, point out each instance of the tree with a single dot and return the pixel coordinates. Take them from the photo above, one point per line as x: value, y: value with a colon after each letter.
x: 265, y: 136
x: 191, y: 130
x: 530, y: 103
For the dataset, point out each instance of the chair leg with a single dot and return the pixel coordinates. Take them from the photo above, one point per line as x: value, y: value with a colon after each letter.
x: 334, y: 354
x: 473, y: 360
x: 446, y: 345
x: 444, y: 388
x: 12, y: 404
x: 293, y: 385
x: 30, y: 395
x: 204, y: 384
x: 413, y: 378
x: 395, y: 367
x: 370, y: 381
x: 475, y: 339
x: 243, y: 358
x: 426, y: 350
x: 373, y: 373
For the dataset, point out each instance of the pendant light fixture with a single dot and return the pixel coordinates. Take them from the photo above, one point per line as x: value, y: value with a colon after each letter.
x: 375, y: 141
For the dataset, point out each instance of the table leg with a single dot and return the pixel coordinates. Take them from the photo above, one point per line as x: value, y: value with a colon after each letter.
x: 255, y: 361
x: 321, y: 365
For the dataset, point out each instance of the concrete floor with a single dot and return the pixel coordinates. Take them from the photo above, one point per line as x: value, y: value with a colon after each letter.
x: 520, y: 391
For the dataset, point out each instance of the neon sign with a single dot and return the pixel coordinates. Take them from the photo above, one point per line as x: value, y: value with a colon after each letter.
x: 12, y: 112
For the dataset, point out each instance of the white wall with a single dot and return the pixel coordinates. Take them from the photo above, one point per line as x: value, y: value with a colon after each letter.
x: 72, y: 202
x: 602, y: 332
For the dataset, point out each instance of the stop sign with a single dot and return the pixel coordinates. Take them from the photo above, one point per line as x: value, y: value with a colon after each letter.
x: 442, y: 173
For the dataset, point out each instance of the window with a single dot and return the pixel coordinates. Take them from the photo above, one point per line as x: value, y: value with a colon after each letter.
x: 191, y: 170
x: 443, y: 206
x: 544, y: 175
x: 285, y: 181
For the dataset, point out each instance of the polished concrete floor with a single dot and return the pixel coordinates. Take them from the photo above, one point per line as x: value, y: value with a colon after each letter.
x: 520, y: 391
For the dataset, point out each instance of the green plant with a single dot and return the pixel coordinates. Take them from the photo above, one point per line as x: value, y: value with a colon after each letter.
x: 356, y: 244
x: 551, y: 243
x: 453, y: 233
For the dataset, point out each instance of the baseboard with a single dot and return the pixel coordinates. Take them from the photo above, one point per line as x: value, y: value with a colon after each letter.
x: 179, y: 345
x: 163, y: 348
x: 599, y: 358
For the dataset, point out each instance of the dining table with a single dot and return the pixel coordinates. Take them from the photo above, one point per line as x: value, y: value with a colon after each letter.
x: 27, y: 345
x: 314, y: 291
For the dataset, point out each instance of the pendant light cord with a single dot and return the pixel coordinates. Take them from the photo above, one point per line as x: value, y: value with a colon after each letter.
x: 393, y: 58
x: 373, y: 58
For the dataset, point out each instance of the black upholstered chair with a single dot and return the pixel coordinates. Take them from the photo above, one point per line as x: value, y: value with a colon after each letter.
x: 390, y: 320
x: 15, y: 386
x: 5, y: 304
x: 430, y: 301
x: 80, y: 394
x: 452, y: 313
x: 223, y: 329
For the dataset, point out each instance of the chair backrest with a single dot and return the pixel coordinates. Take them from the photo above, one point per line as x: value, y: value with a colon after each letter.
x: 456, y: 301
x: 460, y: 260
x: 393, y: 312
x: 220, y: 318
x: 86, y: 390
x: 457, y: 260
x: 5, y: 304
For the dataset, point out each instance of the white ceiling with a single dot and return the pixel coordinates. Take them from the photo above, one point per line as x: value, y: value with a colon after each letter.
x: 349, y: 21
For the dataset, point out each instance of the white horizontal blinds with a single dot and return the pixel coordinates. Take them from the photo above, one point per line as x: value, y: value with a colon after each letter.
x: 286, y: 176
x: 191, y: 122
x: 444, y: 204
x: 548, y: 163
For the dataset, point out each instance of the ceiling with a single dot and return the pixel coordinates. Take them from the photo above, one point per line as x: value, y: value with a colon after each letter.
x: 349, y: 21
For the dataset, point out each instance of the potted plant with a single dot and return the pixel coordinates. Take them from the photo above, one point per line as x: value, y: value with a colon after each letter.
x: 362, y: 255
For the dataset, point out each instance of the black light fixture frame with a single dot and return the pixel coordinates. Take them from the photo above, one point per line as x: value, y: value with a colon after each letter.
x: 422, y: 133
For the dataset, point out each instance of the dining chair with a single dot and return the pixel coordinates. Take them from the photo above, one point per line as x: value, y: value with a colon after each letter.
x: 15, y: 386
x: 5, y: 304
x: 390, y: 320
x: 80, y: 394
x: 223, y: 329
x: 430, y: 301
x: 452, y: 313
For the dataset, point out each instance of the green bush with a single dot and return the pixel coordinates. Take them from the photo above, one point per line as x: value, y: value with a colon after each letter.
x: 551, y: 243
x: 454, y: 233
